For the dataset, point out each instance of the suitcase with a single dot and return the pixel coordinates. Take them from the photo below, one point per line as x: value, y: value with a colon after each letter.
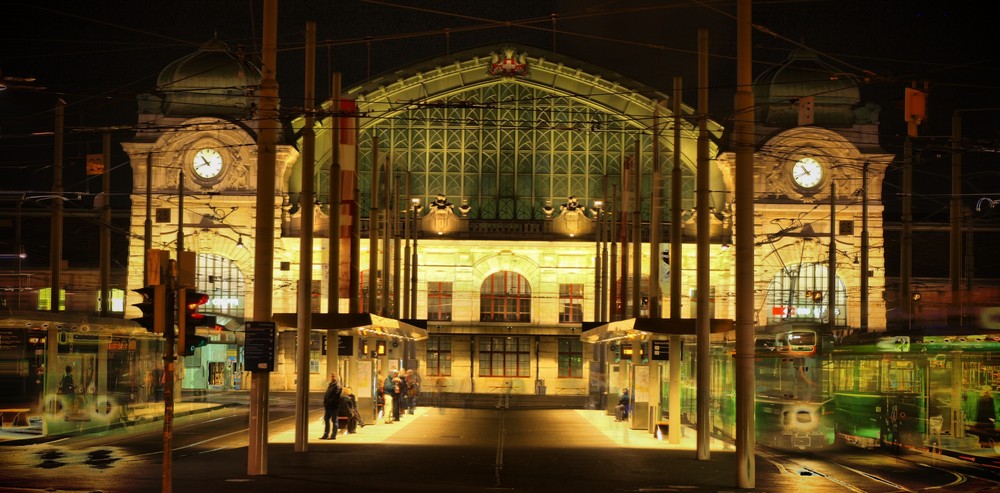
x: 619, y: 412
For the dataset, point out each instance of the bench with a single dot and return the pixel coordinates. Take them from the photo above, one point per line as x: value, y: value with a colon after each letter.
x: 14, y: 417
x: 661, y: 429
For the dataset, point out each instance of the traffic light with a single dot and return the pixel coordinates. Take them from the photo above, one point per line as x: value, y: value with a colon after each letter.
x: 154, y: 308
x: 188, y: 319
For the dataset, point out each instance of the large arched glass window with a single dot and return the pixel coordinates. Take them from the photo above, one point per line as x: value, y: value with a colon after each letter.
x: 222, y: 280
x: 801, y: 293
x: 505, y: 297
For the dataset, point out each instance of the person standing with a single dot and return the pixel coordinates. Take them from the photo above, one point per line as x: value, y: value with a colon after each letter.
x: 66, y: 385
x: 387, y: 393
x: 412, y: 390
x: 398, y: 394
x: 331, y: 404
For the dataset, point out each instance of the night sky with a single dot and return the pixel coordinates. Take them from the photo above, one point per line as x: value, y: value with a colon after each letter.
x: 98, y: 55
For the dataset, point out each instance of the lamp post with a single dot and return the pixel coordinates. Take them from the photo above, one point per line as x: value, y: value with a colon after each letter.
x: 598, y: 216
x: 413, y: 260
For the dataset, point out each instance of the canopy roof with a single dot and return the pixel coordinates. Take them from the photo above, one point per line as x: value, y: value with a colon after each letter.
x: 649, y: 328
x: 366, y: 324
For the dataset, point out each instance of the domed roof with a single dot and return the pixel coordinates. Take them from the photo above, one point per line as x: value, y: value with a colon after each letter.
x: 210, y: 81
x: 777, y: 91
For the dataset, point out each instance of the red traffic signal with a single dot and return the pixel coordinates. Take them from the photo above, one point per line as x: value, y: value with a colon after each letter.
x: 188, y: 303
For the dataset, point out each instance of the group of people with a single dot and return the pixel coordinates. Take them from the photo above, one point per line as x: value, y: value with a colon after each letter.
x: 398, y: 394
x: 395, y: 394
x: 339, y: 402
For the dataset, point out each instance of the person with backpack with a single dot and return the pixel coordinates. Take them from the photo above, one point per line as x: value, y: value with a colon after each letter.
x: 398, y: 395
x: 331, y: 404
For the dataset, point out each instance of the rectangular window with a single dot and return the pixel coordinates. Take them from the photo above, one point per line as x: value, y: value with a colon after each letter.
x: 570, y: 303
x: 570, y: 357
x: 438, y: 356
x: 439, y: 301
x: 504, y: 356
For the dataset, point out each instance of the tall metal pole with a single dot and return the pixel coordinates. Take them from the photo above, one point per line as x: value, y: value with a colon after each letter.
x: 386, y: 218
x: 955, y: 220
x: 655, y: 221
x: 354, y: 286
x: 106, y: 228
x: 676, y: 250
x: 396, y: 246
x: 56, y: 225
x: 864, y: 248
x: 704, y: 279
x: 637, y: 232
x: 407, y: 214
x: 831, y: 302
x: 147, y: 231
x: 626, y: 208
x: 598, y: 215
x: 414, y: 264
x: 167, y: 474
x: 264, y: 227
x: 335, y: 236
x: 604, y: 249
x: 304, y: 302
x: 906, y: 240
x: 373, y: 234
x: 615, y: 297
x: 744, y: 234
x: 333, y: 300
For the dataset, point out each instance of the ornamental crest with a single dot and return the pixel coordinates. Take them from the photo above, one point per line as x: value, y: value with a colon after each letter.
x: 510, y: 64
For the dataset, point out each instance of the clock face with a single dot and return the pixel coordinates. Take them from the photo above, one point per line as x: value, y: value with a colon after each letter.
x: 807, y: 172
x: 207, y: 163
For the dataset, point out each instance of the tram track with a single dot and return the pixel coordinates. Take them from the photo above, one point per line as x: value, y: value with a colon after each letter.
x: 859, y: 475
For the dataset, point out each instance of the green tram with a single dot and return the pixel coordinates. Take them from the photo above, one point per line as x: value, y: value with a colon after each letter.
x: 918, y: 390
x: 793, y: 399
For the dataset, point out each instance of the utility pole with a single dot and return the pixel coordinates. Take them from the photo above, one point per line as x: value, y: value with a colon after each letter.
x: 864, y: 247
x: 744, y: 140
x: 831, y: 302
x: 56, y: 234
x: 675, y: 266
x: 264, y: 224
x: 957, y: 307
x: 703, y: 270
x: 656, y: 220
x: 105, y: 241
x: 168, y: 374
x: 304, y: 302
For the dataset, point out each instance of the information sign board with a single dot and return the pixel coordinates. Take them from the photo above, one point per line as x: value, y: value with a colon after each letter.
x: 258, y: 352
x: 661, y: 350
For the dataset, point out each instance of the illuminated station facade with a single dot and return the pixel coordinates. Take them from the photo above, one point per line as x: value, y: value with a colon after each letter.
x: 498, y: 181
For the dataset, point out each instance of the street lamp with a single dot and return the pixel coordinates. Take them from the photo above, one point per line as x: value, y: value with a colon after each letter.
x: 415, y: 202
x: 597, y: 259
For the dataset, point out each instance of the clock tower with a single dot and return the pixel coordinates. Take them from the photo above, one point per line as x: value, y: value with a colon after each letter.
x: 198, y: 126
x: 815, y: 180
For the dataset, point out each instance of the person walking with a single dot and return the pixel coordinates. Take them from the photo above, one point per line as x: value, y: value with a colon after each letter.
x: 331, y: 404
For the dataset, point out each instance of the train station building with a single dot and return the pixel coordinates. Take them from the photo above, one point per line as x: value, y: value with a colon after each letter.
x: 503, y: 185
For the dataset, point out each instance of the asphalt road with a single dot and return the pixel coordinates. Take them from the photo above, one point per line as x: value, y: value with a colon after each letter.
x: 447, y: 450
